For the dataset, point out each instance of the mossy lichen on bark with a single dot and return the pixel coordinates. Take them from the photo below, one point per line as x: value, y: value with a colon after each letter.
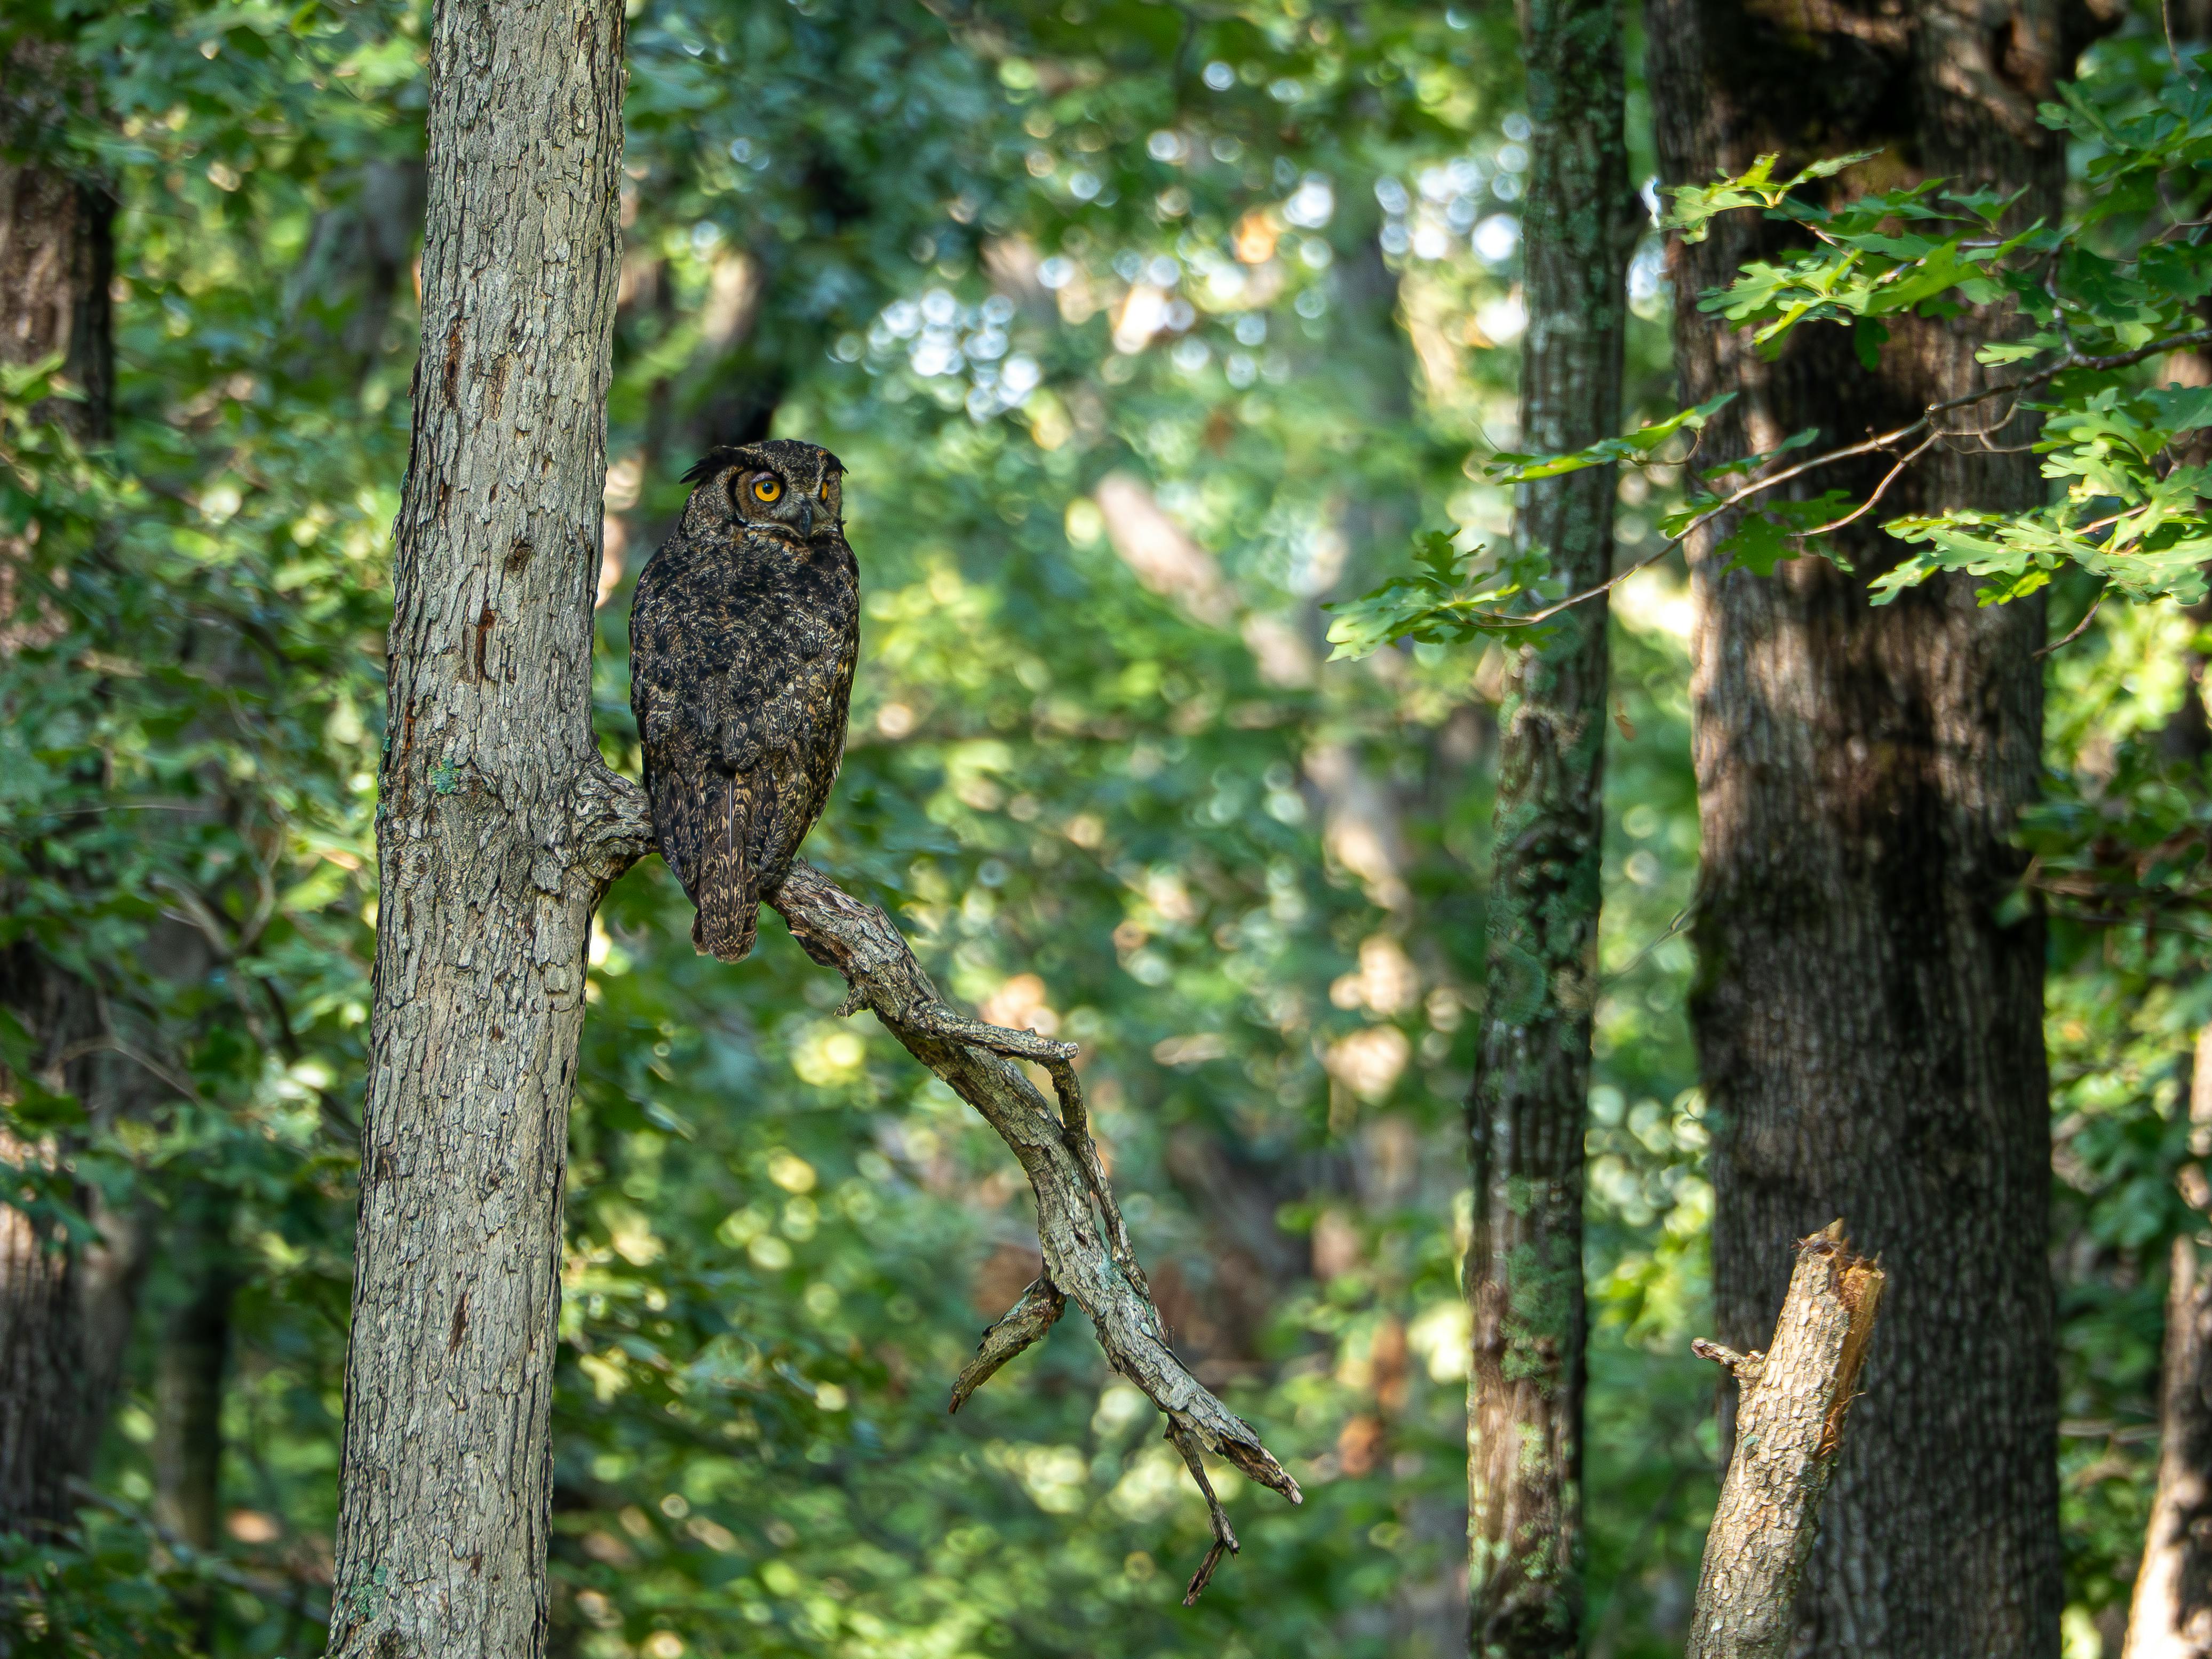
x: 1525, y: 1110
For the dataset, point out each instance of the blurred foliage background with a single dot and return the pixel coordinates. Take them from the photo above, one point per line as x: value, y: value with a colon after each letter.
x: 1147, y: 331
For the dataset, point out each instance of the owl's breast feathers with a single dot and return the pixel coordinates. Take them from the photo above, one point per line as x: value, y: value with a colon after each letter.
x: 742, y: 653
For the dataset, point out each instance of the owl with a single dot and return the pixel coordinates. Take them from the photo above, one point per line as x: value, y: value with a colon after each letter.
x: 743, y: 637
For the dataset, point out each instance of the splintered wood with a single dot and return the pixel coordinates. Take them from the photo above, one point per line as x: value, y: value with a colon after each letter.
x: 1788, y: 1430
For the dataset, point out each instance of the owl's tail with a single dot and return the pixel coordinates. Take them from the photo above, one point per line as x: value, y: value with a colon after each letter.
x: 729, y: 887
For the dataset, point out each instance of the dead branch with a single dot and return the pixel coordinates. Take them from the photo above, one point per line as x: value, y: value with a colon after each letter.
x: 1788, y: 1428
x: 1085, y: 1244
x: 1025, y: 1322
x: 1079, y: 1228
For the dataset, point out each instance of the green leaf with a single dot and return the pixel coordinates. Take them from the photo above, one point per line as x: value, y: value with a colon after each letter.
x: 1452, y: 598
x: 1758, y: 543
x: 1697, y: 205
x: 1635, y: 445
x: 1775, y: 531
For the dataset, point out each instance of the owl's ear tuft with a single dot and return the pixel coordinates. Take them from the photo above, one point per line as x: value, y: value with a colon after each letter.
x: 716, y: 460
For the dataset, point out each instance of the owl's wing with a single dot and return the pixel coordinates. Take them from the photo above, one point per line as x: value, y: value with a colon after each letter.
x: 828, y: 694
x: 702, y: 815
x: 678, y: 822
x: 663, y: 663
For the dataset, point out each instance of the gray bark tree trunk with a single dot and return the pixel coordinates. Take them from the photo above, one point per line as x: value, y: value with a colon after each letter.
x: 491, y: 792
x: 2170, y: 1616
x: 1525, y: 1111
x: 1869, y: 1020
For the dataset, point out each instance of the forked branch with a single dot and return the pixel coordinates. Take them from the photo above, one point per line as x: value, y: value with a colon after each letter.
x: 1086, y: 1246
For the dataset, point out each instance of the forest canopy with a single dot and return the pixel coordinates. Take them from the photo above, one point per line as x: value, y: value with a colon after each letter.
x: 1168, y: 350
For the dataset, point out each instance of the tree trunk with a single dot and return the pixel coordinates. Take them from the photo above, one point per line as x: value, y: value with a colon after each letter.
x: 1868, y: 1019
x: 490, y: 796
x: 59, y: 1349
x: 1792, y: 1399
x: 2170, y: 1617
x: 57, y: 259
x: 1525, y: 1112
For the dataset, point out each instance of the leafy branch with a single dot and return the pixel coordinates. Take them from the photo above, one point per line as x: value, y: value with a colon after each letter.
x: 2128, y: 500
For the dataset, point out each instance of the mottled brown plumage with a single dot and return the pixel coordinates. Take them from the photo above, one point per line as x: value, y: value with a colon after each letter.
x: 743, y: 638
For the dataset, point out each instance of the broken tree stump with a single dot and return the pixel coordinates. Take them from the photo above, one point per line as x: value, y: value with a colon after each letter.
x: 1789, y: 1432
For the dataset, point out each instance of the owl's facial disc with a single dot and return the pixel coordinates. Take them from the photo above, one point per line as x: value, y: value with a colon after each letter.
x: 766, y: 498
x: 783, y: 486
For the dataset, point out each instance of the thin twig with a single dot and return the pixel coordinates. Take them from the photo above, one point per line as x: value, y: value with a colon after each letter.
x: 110, y: 1044
x: 1886, y: 441
x: 2166, y: 16
x: 1879, y: 489
x: 1225, y: 1537
x: 2080, y: 628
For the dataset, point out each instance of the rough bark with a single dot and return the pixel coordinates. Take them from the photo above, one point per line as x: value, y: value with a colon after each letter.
x: 1525, y: 1111
x: 1868, y: 1019
x: 56, y: 257
x: 490, y: 777
x: 2170, y: 1613
x: 1790, y: 1425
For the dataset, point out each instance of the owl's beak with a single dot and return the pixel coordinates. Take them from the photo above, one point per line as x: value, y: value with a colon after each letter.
x: 805, y: 515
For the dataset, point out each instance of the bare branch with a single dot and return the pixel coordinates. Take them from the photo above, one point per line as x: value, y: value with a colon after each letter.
x: 1225, y: 1536
x: 1879, y: 489
x: 2080, y: 628
x: 1087, y: 1253
x: 1026, y: 1321
x: 1086, y: 1244
x: 1744, y: 1367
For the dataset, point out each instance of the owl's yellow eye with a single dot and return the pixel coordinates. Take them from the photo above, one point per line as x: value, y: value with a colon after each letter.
x: 766, y: 490
x: 825, y: 489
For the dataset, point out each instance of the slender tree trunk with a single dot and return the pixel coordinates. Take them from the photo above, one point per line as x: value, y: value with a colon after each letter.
x: 1868, y: 1018
x: 188, y: 1376
x: 2170, y: 1617
x: 59, y: 1345
x: 1525, y: 1112
x: 490, y: 789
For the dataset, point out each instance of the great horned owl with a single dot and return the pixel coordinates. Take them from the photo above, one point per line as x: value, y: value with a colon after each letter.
x: 743, y: 637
